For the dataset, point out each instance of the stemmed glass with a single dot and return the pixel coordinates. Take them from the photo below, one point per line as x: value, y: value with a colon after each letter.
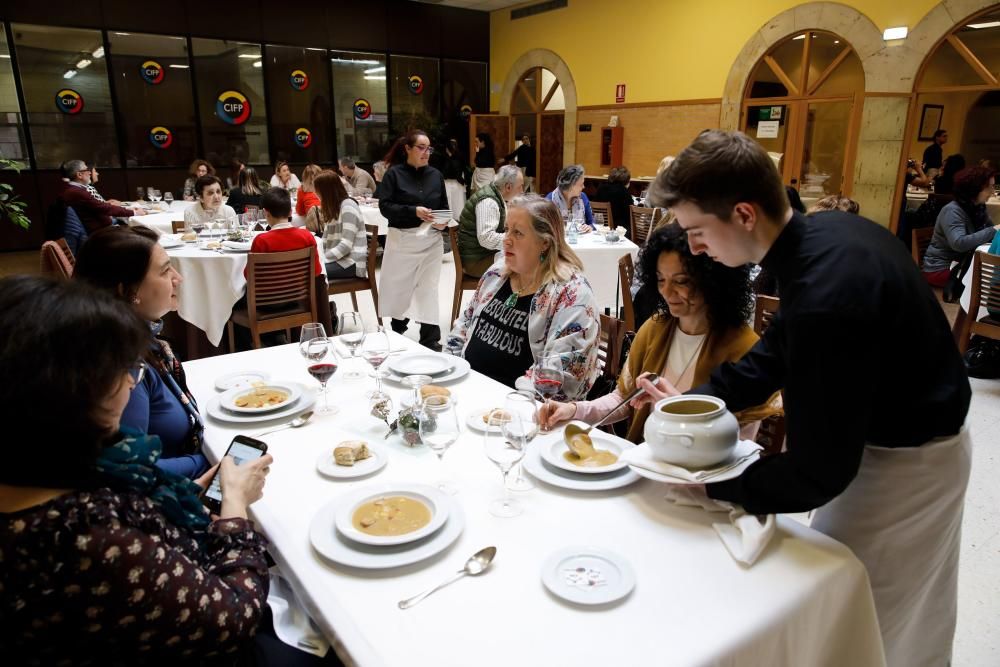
x: 140, y: 194
x: 154, y: 195
x: 351, y: 332
x: 439, y: 429
x: 375, y: 352
x: 522, y: 404
x: 316, y: 350
x: 168, y: 197
x: 548, y: 376
x: 505, y: 449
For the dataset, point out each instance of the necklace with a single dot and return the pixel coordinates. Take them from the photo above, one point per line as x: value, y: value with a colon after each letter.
x: 515, y: 294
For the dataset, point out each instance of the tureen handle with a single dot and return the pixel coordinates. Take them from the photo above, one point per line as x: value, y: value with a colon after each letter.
x: 686, y: 439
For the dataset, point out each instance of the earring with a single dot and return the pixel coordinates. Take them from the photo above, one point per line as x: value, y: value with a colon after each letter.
x: 541, y: 257
x: 135, y: 300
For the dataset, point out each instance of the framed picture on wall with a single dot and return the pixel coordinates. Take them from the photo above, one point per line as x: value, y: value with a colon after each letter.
x: 930, y: 121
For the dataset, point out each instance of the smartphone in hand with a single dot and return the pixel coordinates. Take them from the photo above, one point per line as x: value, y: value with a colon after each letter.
x: 242, y: 448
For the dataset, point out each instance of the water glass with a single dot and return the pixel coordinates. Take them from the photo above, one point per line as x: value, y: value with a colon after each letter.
x: 168, y: 197
x: 351, y: 333
x: 375, y: 352
x: 505, y: 449
x: 439, y: 429
x: 522, y: 404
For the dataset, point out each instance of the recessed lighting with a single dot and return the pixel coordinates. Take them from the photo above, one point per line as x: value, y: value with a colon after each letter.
x: 895, y: 33
x: 836, y: 41
x: 249, y: 55
x: 257, y: 64
x: 798, y: 37
x: 180, y: 66
x: 124, y: 34
x: 70, y: 73
x: 98, y: 52
x: 83, y: 64
x: 346, y: 61
x: 374, y: 78
x: 4, y: 55
x: 375, y: 70
x: 312, y: 48
x: 988, y: 24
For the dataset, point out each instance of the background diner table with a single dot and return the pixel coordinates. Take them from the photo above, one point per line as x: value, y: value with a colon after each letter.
x: 370, y: 213
x: 600, y: 266
x: 159, y: 217
x: 806, y: 601
x: 914, y: 199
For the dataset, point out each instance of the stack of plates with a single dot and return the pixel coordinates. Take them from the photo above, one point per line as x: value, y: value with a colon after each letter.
x: 546, y: 463
x: 333, y: 534
x: 439, y: 367
x: 441, y: 215
x: 231, y: 405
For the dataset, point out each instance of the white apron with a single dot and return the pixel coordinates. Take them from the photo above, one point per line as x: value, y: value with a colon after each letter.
x: 411, y: 269
x: 456, y: 197
x: 902, y: 518
x: 482, y: 177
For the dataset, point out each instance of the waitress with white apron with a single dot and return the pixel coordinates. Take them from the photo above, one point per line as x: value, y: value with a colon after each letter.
x: 411, y: 264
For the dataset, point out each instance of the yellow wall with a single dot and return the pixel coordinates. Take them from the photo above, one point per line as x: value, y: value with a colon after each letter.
x: 661, y: 49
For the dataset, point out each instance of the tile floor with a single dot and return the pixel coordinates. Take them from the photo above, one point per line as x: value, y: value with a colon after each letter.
x: 977, y: 640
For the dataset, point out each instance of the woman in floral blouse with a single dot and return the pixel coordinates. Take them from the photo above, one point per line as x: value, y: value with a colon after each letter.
x: 104, y: 557
x: 534, y: 304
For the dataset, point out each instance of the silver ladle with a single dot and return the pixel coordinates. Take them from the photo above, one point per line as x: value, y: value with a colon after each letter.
x: 572, y: 429
x: 473, y: 567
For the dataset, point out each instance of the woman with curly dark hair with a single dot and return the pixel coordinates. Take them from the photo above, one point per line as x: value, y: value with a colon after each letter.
x: 700, y: 322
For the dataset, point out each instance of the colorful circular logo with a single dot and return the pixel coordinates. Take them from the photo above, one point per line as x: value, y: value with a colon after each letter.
x: 152, y: 72
x: 416, y: 84
x: 303, y: 137
x: 69, y: 101
x: 465, y: 110
x: 233, y: 107
x: 298, y: 79
x: 362, y: 109
x: 161, y: 137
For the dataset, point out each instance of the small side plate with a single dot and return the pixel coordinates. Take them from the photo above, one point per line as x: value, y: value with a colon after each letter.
x: 239, y: 379
x: 588, y: 575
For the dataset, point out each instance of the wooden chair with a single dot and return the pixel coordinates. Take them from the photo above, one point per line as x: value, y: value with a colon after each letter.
x: 626, y: 273
x: 177, y: 226
x: 281, y: 294
x: 771, y: 435
x: 54, y: 261
x: 641, y: 221
x: 355, y: 285
x: 609, y: 353
x: 985, y: 294
x: 602, y: 213
x: 764, y: 312
x: 920, y: 242
x: 462, y: 280
x: 66, y: 251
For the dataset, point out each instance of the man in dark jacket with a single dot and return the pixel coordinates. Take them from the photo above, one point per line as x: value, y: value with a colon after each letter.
x: 93, y: 213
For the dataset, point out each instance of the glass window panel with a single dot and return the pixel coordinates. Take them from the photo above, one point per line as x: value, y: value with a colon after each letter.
x: 557, y: 102
x: 773, y: 145
x: 298, y: 89
x: 230, y: 83
x: 764, y: 82
x: 823, y: 156
x: 789, y: 57
x: 848, y: 77
x: 463, y: 92
x: 947, y: 68
x: 66, y: 94
x: 984, y: 42
x: 12, y: 143
x: 526, y: 95
x: 415, y: 98
x: 361, y: 110
x: 152, y: 78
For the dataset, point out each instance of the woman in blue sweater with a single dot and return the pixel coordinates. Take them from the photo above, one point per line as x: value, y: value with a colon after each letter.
x: 129, y: 263
x: 569, y: 198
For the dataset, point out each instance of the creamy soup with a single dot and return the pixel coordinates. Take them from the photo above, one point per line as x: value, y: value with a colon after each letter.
x: 261, y: 398
x: 391, y: 515
x: 692, y: 407
x: 583, y: 453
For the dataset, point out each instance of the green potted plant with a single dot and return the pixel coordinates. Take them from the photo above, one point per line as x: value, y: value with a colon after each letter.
x: 12, y: 206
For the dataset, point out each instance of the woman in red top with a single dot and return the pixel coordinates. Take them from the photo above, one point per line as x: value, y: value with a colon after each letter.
x: 307, y: 197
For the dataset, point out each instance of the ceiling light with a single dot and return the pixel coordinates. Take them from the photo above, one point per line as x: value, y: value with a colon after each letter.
x: 4, y: 55
x: 312, y: 48
x: 374, y: 78
x: 375, y: 70
x: 257, y: 64
x: 836, y: 41
x: 124, y: 34
x: 249, y: 55
x: 83, y: 64
x: 895, y: 33
x: 180, y: 67
x: 988, y: 24
x: 98, y: 52
x: 799, y: 37
x: 347, y: 61
x: 70, y: 73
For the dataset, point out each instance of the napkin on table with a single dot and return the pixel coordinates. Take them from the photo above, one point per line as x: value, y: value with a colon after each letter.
x: 745, y: 536
x: 236, y: 245
x: 292, y: 624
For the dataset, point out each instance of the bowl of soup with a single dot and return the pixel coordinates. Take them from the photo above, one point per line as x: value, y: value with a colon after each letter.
x: 260, y: 397
x: 391, y: 514
x: 692, y: 430
x: 592, y: 453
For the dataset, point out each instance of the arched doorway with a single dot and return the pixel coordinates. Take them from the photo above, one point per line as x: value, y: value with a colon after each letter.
x: 803, y: 103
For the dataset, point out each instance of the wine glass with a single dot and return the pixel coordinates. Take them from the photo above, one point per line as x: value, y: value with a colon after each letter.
x: 351, y: 333
x: 154, y: 195
x: 316, y: 350
x: 309, y: 331
x: 505, y: 449
x: 140, y: 194
x: 439, y: 429
x: 548, y: 376
x: 168, y: 197
x: 375, y: 352
x: 522, y: 404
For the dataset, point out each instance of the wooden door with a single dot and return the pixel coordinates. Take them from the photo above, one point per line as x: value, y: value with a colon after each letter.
x: 495, y: 125
x: 550, y: 150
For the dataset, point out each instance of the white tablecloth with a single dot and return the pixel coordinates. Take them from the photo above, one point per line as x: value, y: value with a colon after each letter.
x: 371, y: 215
x: 212, y: 283
x: 915, y: 199
x: 807, y: 601
x: 160, y: 220
x: 600, y: 265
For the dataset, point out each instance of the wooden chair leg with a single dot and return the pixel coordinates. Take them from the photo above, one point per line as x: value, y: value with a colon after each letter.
x: 232, y: 336
x: 354, y: 301
x: 962, y: 330
x: 255, y: 335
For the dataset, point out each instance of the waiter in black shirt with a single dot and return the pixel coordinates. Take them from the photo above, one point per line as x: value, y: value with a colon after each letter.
x: 875, y: 391
x: 934, y: 154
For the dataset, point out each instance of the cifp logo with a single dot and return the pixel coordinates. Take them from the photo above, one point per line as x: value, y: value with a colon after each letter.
x: 362, y: 109
x: 303, y: 137
x: 152, y: 72
x: 465, y: 110
x: 233, y: 107
x: 69, y: 101
x: 161, y: 137
x: 299, y: 79
x: 416, y: 84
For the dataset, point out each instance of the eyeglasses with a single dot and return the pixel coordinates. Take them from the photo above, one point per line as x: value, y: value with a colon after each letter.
x: 424, y: 149
x: 137, y: 372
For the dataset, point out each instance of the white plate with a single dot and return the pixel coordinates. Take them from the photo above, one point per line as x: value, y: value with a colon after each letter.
x: 328, y: 468
x: 553, y: 448
x: 460, y: 370
x: 216, y: 411
x: 588, y: 575
x: 169, y: 241
x: 743, y: 448
x: 541, y: 471
x: 421, y: 364
x: 235, y: 251
x: 293, y: 390
x: 428, y: 495
x: 333, y: 546
x: 476, y: 423
x: 239, y: 379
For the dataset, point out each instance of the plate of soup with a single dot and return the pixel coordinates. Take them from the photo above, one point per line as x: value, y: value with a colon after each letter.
x: 595, y: 452
x: 260, y: 397
x: 391, y: 514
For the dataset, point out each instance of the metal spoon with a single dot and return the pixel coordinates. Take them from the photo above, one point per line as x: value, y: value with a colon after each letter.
x: 473, y: 567
x: 574, y: 429
x: 295, y: 423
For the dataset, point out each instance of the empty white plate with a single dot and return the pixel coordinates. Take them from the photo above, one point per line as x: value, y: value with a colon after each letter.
x: 421, y: 364
x: 588, y: 575
x: 460, y: 370
x: 240, y: 379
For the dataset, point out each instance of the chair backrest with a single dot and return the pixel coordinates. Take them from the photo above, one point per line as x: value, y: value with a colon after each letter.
x: 985, y: 285
x: 54, y: 261
x: 641, y: 221
x: 453, y: 240
x: 764, y: 312
x: 177, y: 226
x: 281, y: 278
x: 626, y: 274
x: 372, y: 262
x: 921, y: 241
x: 70, y: 257
x: 602, y: 213
x: 73, y: 231
x: 609, y: 346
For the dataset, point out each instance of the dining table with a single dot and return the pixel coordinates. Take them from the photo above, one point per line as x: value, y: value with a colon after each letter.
x: 916, y: 198
x: 160, y: 216
x: 600, y: 266
x: 805, y: 601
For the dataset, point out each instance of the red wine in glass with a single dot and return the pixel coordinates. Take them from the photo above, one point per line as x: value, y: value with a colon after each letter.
x: 548, y: 381
x: 323, y: 373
